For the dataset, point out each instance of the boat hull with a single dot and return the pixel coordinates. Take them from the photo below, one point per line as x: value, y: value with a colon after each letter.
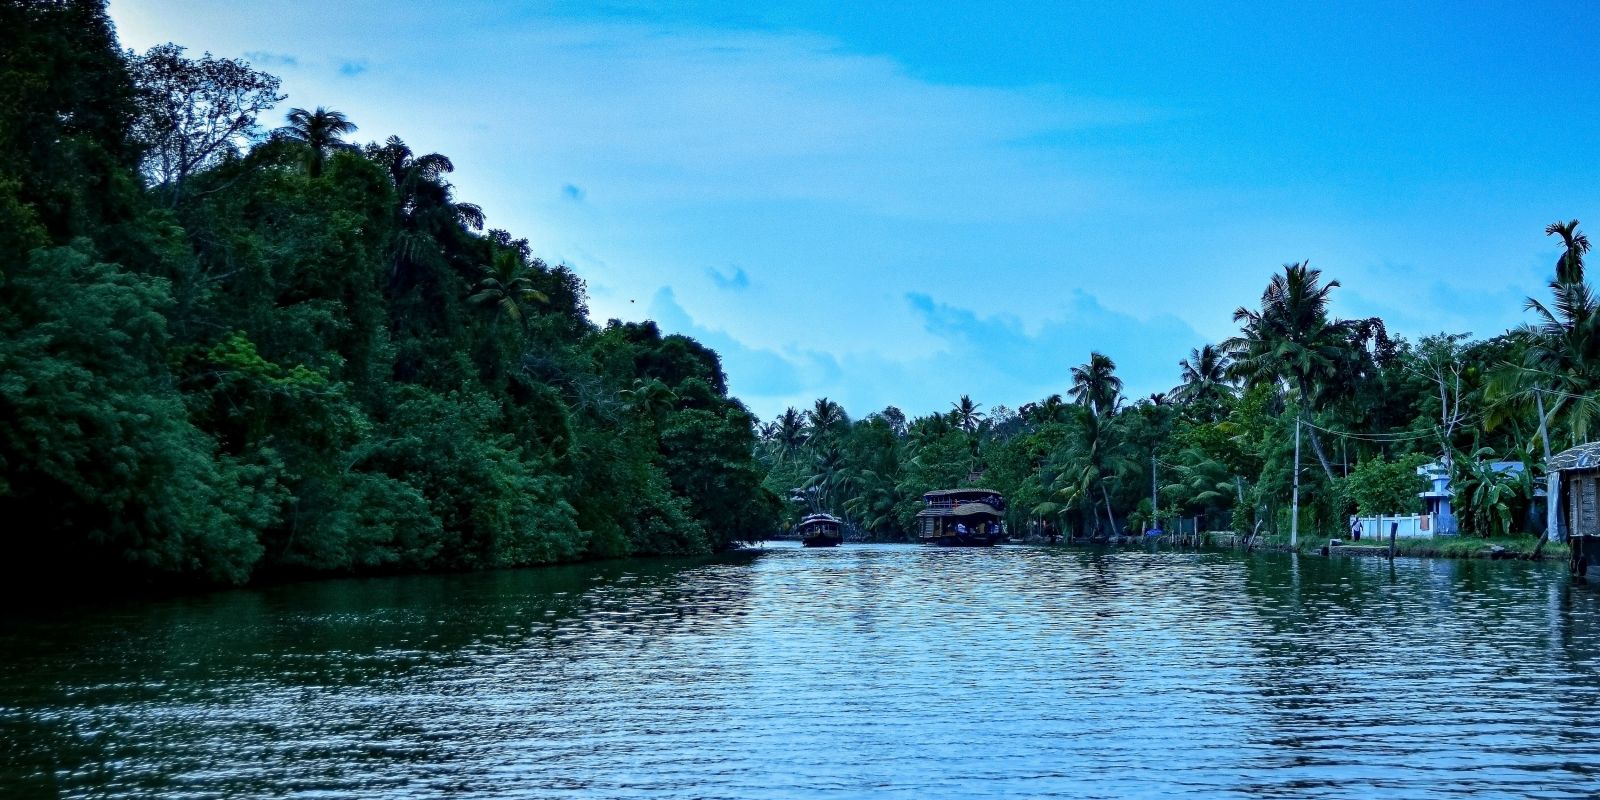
x: 954, y: 540
x: 822, y: 541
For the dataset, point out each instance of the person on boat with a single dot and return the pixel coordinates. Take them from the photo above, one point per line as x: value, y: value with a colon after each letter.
x: 961, y: 529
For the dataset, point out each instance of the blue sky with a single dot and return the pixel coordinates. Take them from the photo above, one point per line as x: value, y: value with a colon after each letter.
x: 902, y: 203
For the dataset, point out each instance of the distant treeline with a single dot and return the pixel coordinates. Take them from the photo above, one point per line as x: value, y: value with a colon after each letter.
x: 231, y: 349
x: 1371, y: 409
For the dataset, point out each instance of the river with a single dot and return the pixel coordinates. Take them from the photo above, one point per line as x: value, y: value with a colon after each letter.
x: 891, y: 671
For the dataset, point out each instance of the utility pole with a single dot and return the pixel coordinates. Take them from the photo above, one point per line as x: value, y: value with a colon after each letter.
x: 1294, y: 524
x: 1155, y: 503
x: 1552, y: 480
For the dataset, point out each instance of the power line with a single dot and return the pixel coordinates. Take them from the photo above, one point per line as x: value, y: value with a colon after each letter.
x: 1391, y: 436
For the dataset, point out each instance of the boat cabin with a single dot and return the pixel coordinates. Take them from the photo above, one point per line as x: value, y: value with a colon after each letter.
x: 962, y: 517
x: 821, y: 530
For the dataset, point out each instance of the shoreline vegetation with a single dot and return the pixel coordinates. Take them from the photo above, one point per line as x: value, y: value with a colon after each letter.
x: 240, y: 344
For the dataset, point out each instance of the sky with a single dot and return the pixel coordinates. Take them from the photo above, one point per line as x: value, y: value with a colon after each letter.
x: 901, y: 203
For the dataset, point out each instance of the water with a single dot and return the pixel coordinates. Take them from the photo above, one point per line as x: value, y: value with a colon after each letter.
x: 894, y: 671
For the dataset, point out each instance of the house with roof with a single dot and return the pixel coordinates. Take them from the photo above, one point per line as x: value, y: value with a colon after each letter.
x: 1575, y: 475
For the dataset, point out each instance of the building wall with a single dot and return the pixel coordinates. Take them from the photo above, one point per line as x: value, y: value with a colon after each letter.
x: 1583, y: 505
x: 1414, y: 526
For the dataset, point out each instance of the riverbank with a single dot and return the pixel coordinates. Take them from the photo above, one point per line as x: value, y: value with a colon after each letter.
x: 1516, y: 547
x: 1519, y: 547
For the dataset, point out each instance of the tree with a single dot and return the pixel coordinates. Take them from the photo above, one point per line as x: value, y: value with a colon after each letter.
x: 1569, y: 265
x: 790, y: 433
x: 825, y: 418
x: 1205, y: 376
x: 1096, y: 386
x: 967, y: 415
x: 1487, y: 497
x: 1050, y: 409
x: 425, y: 208
x: 1290, y: 342
x: 1439, y: 362
x: 507, y: 286
x: 1560, y: 369
x: 66, y: 110
x: 895, y: 419
x: 193, y: 113
x: 322, y: 131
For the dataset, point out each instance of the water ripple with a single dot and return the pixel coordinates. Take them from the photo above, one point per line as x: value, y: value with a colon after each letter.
x: 866, y: 670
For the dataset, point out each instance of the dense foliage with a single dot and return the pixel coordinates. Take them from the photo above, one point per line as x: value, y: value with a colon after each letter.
x: 1371, y: 409
x: 227, y: 351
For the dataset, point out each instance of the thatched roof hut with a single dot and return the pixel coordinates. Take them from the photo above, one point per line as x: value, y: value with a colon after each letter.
x: 1577, y: 471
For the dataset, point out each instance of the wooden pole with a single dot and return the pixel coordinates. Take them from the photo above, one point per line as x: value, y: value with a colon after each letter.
x: 1155, y: 502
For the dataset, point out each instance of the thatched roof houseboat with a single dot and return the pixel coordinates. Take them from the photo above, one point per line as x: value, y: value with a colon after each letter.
x: 962, y: 518
x: 821, y: 530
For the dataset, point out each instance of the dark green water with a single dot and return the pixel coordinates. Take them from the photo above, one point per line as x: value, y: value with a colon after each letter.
x: 867, y: 670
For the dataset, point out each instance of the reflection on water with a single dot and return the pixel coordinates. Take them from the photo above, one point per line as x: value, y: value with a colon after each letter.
x: 884, y: 670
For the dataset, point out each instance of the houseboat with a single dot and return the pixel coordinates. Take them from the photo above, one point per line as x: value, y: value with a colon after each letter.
x: 962, y: 518
x: 1577, y: 480
x: 821, y: 530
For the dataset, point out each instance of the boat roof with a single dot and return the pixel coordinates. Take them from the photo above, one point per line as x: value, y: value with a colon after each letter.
x: 821, y: 518
x: 958, y: 492
x: 963, y: 510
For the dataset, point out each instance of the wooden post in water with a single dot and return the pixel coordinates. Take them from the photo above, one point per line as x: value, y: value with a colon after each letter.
x: 1394, y: 528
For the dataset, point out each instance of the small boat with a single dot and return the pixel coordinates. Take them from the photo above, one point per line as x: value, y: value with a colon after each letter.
x: 821, y: 530
x: 962, y: 518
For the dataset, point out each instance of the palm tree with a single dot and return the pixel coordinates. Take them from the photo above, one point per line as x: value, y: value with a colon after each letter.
x: 825, y: 417
x: 789, y: 433
x: 1569, y: 266
x: 1050, y: 409
x: 321, y: 130
x: 1086, y: 466
x: 507, y: 285
x: 926, y: 430
x: 650, y: 399
x: 1290, y: 342
x: 966, y: 414
x: 425, y: 209
x: 1561, y: 367
x: 1095, y: 384
x: 827, y: 475
x: 1205, y: 376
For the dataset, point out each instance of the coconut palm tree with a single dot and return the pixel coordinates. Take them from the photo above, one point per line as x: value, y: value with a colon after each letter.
x: 425, y: 208
x: 1291, y: 343
x: 828, y: 475
x: 1050, y: 409
x: 1561, y: 366
x: 1096, y: 386
x: 650, y: 399
x: 321, y: 130
x: 789, y: 433
x: 1086, y: 467
x: 826, y: 418
x: 1205, y: 376
x: 507, y: 286
x: 966, y: 414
